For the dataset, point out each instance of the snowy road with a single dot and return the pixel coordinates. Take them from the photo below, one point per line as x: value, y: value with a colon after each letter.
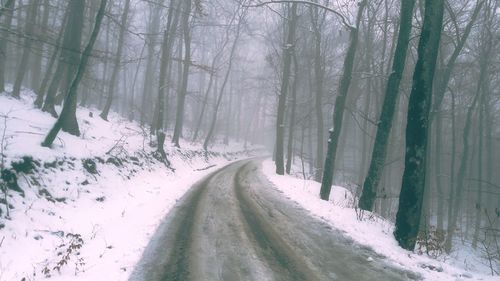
x: 233, y: 225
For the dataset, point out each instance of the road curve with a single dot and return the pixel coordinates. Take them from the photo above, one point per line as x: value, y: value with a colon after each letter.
x: 232, y: 225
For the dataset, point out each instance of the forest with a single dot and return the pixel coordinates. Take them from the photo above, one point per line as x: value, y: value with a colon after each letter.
x: 397, y: 100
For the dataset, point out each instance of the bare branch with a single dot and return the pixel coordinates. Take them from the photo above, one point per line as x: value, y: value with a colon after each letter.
x: 342, y: 17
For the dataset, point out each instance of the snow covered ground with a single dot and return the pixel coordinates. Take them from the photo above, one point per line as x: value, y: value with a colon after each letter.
x: 89, y: 204
x: 374, y: 231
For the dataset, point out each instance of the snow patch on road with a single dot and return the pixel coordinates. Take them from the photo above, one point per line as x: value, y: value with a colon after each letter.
x: 373, y: 231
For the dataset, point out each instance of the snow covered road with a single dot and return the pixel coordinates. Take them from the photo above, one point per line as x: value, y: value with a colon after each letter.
x: 233, y: 225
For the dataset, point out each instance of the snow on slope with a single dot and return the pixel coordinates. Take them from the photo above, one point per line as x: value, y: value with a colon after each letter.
x: 373, y: 231
x: 76, y: 223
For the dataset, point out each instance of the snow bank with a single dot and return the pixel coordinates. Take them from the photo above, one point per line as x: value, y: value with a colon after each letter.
x: 372, y: 231
x: 91, y: 203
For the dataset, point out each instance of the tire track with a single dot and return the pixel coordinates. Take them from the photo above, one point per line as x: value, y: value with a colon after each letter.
x: 279, y: 255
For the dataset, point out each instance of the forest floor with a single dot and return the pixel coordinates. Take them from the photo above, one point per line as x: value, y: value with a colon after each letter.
x: 86, y: 208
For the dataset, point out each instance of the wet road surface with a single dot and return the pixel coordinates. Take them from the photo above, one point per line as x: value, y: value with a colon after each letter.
x: 233, y: 225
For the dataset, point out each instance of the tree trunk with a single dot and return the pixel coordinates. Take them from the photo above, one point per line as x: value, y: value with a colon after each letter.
x: 181, y: 98
x: 153, y: 28
x: 67, y: 119
x: 167, y: 44
x: 224, y: 83
x: 319, y: 74
x: 70, y: 53
x: 339, y: 107
x: 379, y: 153
x: 291, y: 122
x: 412, y: 187
x: 8, y: 11
x: 48, y: 71
x: 287, y: 61
x: 23, y: 64
x: 464, y: 159
x: 116, y: 69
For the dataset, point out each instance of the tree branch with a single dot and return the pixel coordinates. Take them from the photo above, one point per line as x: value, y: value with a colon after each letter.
x: 342, y: 17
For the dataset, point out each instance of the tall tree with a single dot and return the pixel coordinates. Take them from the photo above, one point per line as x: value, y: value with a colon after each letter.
x: 226, y: 78
x: 413, y: 185
x: 118, y: 57
x: 339, y: 107
x: 70, y: 53
x: 168, y: 42
x: 28, y: 41
x: 181, y: 96
x: 317, y: 21
x: 67, y: 120
x: 8, y: 11
x: 285, y: 81
x: 388, y: 108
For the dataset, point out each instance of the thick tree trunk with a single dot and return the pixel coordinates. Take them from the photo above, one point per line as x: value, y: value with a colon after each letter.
x: 412, y: 188
x: 379, y: 153
x: 70, y: 53
x: 67, y: 119
x: 339, y: 107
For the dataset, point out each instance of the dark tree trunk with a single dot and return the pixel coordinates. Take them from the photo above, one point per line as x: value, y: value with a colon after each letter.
x: 413, y: 185
x: 181, y: 98
x: 168, y: 42
x: 70, y: 53
x: 287, y: 61
x: 379, y: 153
x: 118, y: 56
x: 67, y: 119
x: 339, y: 107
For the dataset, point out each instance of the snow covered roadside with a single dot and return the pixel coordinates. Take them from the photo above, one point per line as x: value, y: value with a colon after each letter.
x: 89, y: 205
x: 374, y: 231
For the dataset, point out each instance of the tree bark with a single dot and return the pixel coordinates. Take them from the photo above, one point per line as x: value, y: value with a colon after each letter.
x: 70, y: 53
x: 379, y: 153
x: 68, y: 116
x: 413, y: 185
